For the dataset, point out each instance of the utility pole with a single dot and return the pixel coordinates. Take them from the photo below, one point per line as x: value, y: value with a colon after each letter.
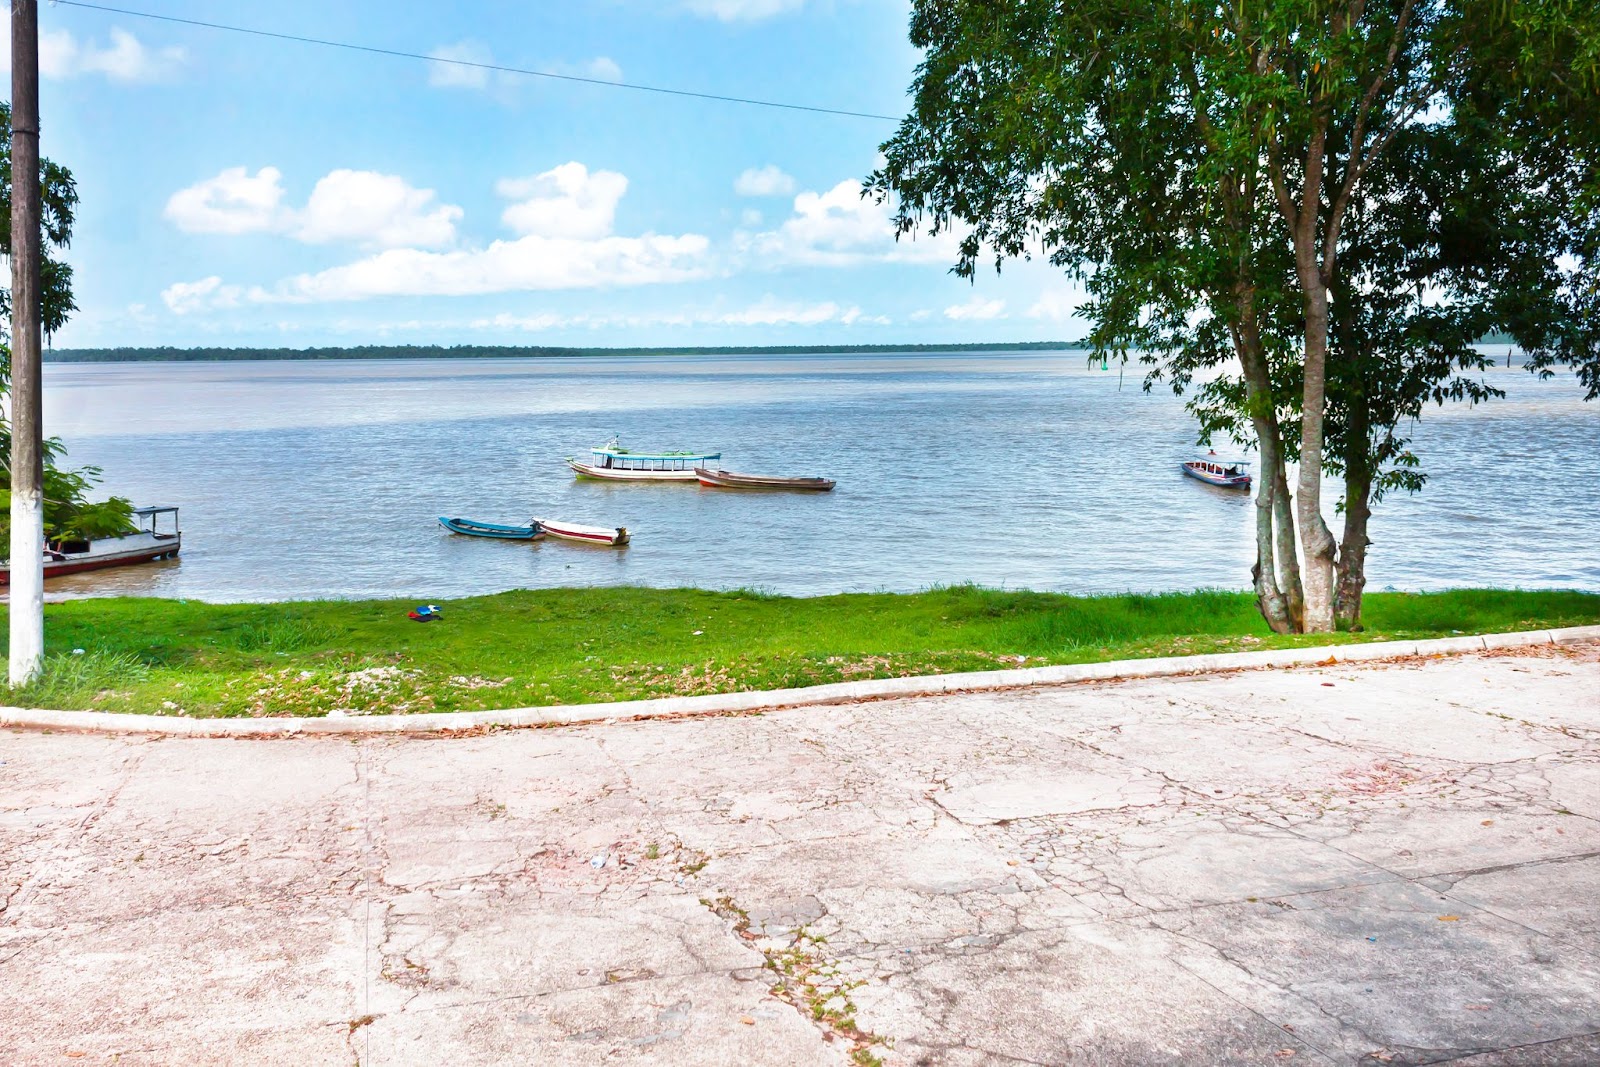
x: 27, y: 407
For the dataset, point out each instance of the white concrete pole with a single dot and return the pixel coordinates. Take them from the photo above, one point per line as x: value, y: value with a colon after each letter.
x: 27, y: 409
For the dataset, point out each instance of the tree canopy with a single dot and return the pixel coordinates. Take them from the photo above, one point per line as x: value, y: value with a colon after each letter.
x: 69, y: 514
x: 1306, y: 211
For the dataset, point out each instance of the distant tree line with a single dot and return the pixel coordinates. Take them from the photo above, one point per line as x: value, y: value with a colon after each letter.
x: 185, y: 355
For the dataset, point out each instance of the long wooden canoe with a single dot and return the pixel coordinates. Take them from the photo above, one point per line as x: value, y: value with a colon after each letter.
x: 732, y: 480
x: 473, y: 528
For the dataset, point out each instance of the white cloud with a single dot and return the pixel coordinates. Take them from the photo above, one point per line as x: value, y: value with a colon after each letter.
x: 528, y: 263
x: 768, y: 311
x: 603, y: 67
x: 567, y: 201
x: 124, y: 58
x: 921, y: 315
x: 364, y: 207
x: 977, y: 309
x: 767, y: 181
x: 451, y: 74
x: 842, y: 228
x: 743, y: 10
x: 184, y: 297
x: 564, y: 219
x: 750, y: 217
x: 361, y: 207
x: 530, y: 323
x: 1055, y: 305
x: 232, y: 202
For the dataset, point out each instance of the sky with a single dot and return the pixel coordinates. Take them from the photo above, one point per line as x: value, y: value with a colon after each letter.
x: 241, y: 191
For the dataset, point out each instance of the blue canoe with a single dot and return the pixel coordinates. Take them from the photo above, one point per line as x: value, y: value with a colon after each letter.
x: 473, y: 528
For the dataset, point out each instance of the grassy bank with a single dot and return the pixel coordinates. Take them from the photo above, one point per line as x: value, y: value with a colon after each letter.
x: 562, y: 646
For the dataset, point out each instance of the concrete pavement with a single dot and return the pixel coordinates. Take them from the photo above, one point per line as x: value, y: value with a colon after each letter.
x: 1386, y: 863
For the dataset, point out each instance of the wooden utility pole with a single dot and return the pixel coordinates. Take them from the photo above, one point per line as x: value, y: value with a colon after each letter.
x: 27, y: 408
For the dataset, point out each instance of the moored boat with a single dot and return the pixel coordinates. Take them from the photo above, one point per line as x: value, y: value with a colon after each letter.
x: 1215, y: 470
x: 144, y: 546
x: 473, y: 528
x: 612, y: 462
x: 719, y: 479
x: 589, y: 535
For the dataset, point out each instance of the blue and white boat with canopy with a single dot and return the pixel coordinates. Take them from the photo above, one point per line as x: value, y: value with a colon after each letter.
x: 612, y: 462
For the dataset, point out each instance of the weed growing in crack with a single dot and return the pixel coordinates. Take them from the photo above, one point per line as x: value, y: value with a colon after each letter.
x: 807, y: 981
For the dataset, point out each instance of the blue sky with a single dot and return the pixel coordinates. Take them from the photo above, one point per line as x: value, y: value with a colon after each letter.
x: 243, y: 191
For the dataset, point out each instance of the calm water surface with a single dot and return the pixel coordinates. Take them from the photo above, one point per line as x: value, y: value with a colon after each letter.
x: 303, y: 480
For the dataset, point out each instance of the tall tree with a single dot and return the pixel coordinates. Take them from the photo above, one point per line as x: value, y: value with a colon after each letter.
x: 58, y: 208
x: 1231, y: 185
x: 69, y: 514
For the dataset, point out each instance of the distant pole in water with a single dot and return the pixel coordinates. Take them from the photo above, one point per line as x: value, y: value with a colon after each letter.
x: 27, y: 414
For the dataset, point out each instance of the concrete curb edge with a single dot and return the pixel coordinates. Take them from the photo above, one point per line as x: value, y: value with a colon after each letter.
x: 771, y: 699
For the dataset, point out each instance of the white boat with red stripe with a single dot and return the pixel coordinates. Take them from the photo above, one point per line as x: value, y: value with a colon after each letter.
x: 589, y: 535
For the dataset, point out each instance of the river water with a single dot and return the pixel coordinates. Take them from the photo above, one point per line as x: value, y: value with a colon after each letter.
x: 323, y: 479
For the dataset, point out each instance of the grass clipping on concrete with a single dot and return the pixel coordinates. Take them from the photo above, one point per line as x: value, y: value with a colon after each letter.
x: 573, y: 646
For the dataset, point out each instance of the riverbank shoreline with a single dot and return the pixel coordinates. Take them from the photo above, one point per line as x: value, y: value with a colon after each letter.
x: 560, y: 648
x: 756, y: 702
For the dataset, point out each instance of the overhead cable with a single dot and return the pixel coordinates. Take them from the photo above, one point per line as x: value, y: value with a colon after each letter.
x: 499, y: 68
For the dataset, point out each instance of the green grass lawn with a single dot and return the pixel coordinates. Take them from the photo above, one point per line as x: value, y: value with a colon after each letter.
x: 561, y: 646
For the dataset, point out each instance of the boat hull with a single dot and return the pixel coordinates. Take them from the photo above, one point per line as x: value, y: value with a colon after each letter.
x: 588, y: 535
x: 613, y: 474
x: 732, y: 480
x: 472, y: 528
x: 109, y: 552
x: 1221, y: 481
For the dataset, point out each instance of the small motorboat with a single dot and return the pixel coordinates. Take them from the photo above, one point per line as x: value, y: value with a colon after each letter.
x: 473, y: 528
x: 1215, y: 470
x: 71, y: 557
x: 732, y: 480
x: 589, y: 535
x: 613, y: 463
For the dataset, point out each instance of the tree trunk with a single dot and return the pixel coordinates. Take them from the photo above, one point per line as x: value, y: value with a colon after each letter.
x: 1288, y: 550
x: 1276, y: 573
x: 1316, y: 541
x: 1275, y: 606
x: 1358, y: 474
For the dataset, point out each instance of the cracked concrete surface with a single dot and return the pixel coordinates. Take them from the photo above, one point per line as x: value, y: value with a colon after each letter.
x: 1391, y: 863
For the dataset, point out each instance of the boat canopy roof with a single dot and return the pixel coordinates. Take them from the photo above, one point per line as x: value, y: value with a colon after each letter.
x: 158, y: 509
x: 623, y: 453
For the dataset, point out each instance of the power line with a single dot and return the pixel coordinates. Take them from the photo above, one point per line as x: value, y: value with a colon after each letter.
x: 477, y: 66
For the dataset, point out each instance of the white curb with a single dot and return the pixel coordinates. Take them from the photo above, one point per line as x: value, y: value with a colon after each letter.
x: 726, y: 703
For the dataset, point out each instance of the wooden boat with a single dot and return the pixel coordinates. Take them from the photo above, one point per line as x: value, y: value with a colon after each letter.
x: 729, y: 480
x: 1214, y: 470
x: 473, y: 528
x: 589, y: 535
x: 612, y: 462
x: 72, y: 557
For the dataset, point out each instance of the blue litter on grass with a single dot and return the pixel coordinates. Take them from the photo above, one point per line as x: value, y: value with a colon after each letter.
x: 425, y: 613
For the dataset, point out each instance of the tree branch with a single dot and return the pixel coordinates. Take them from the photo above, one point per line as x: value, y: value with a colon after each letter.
x: 1359, y: 160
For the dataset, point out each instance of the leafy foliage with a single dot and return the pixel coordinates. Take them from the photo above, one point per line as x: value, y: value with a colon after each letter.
x: 69, y: 515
